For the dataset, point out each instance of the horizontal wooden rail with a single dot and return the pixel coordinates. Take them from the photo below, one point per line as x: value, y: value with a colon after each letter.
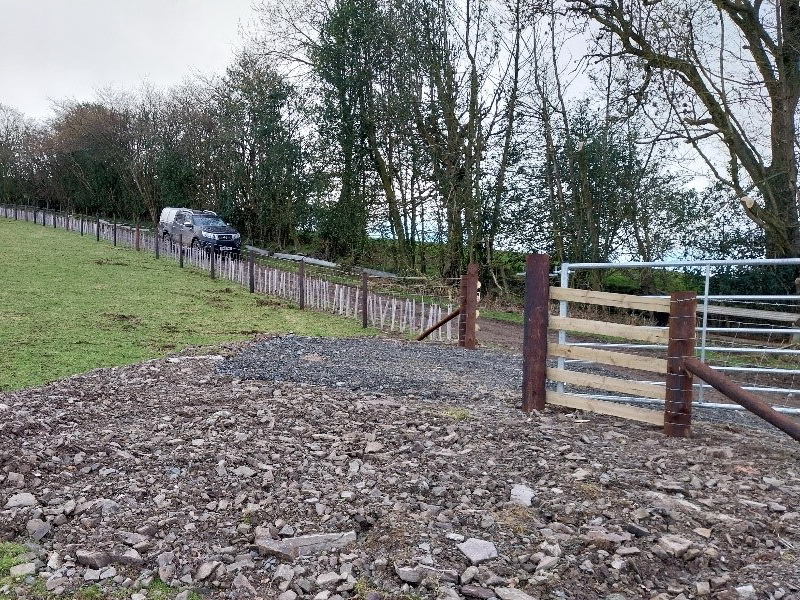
x: 609, y: 299
x: 653, y: 335
x: 606, y: 357
x: 747, y: 399
x: 750, y: 313
x: 624, y: 411
x: 613, y: 384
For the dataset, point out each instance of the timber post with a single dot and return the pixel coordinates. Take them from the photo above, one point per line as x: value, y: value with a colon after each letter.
x: 301, y: 284
x: 534, y: 347
x: 251, y: 271
x: 364, y: 294
x: 678, y: 403
x: 468, y: 305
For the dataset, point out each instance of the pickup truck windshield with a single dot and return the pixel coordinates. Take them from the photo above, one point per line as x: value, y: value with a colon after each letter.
x: 208, y: 221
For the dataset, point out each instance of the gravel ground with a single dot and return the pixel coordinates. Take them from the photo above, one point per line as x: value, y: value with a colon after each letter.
x: 194, y: 471
x: 381, y: 366
x: 395, y: 367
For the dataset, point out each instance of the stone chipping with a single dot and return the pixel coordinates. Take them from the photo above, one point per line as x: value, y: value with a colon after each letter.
x: 275, y: 470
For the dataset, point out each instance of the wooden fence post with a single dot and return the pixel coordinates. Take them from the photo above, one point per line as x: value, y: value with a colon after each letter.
x: 180, y: 251
x: 468, y: 305
x: 534, y: 347
x: 97, y: 227
x: 157, y: 243
x: 55, y: 218
x: 137, y: 237
x: 364, y: 294
x: 251, y: 271
x: 114, y: 232
x: 301, y: 281
x: 213, y: 273
x: 678, y: 404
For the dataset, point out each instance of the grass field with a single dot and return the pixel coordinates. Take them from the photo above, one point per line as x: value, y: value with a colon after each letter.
x: 69, y: 304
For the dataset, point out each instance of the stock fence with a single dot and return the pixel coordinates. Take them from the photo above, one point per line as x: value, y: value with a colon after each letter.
x: 386, y: 312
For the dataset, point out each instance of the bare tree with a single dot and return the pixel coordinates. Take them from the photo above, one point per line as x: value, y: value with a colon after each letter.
x: 728, y: 72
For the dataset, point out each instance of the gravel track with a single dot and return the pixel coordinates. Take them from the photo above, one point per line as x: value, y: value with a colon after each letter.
x: 429, y: 370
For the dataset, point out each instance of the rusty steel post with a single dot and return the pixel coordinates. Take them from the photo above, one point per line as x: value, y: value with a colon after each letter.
x: 678, y: 403
x: 364, y: 294
x: 468, y: 306
x: 534, y: 347
x: 749, y: 400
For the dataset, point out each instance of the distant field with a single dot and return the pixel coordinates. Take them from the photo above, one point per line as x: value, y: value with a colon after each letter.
x: 69, y: 304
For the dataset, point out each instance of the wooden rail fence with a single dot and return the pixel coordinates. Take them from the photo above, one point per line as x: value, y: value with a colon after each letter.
x: 676, y: 417
x: 678, y: 367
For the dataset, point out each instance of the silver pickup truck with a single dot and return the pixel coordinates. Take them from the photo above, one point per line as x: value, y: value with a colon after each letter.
x: 200, y: 229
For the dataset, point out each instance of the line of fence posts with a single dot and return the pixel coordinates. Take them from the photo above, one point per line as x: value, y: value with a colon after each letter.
x: 467, y: 308
x: 681, y: 346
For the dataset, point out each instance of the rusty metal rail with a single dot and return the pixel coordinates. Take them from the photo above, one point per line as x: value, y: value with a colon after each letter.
x: 750, y: 401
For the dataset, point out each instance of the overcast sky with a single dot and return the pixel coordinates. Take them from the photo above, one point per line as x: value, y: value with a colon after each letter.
x: 67, y: 49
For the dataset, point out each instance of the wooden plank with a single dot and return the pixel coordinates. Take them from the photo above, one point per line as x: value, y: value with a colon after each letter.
x: 624, y: 411
x: 750, y: 313
x: 614, y: 384
x: 606, y: 357
x: 609, y: 299
x: 653, y: 335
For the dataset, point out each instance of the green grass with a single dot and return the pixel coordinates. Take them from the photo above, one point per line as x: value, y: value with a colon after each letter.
x: 69, y: 304
x: 10, y: 554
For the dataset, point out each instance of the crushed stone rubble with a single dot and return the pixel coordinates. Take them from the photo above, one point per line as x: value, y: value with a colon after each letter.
x: 268, y: 470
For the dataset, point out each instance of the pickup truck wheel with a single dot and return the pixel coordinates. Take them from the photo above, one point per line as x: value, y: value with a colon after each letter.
x: 196, y: 245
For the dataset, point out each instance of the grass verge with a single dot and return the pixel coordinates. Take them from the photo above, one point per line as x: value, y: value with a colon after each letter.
x: 69, y: 304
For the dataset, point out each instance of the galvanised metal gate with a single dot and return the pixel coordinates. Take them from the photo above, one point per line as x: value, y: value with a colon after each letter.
x: 751, y: 337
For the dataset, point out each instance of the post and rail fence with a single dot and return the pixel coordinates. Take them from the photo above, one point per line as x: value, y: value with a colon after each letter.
x: 677, y: 369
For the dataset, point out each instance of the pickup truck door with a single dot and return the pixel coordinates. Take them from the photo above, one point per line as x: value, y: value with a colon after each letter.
x: 177, y: 228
